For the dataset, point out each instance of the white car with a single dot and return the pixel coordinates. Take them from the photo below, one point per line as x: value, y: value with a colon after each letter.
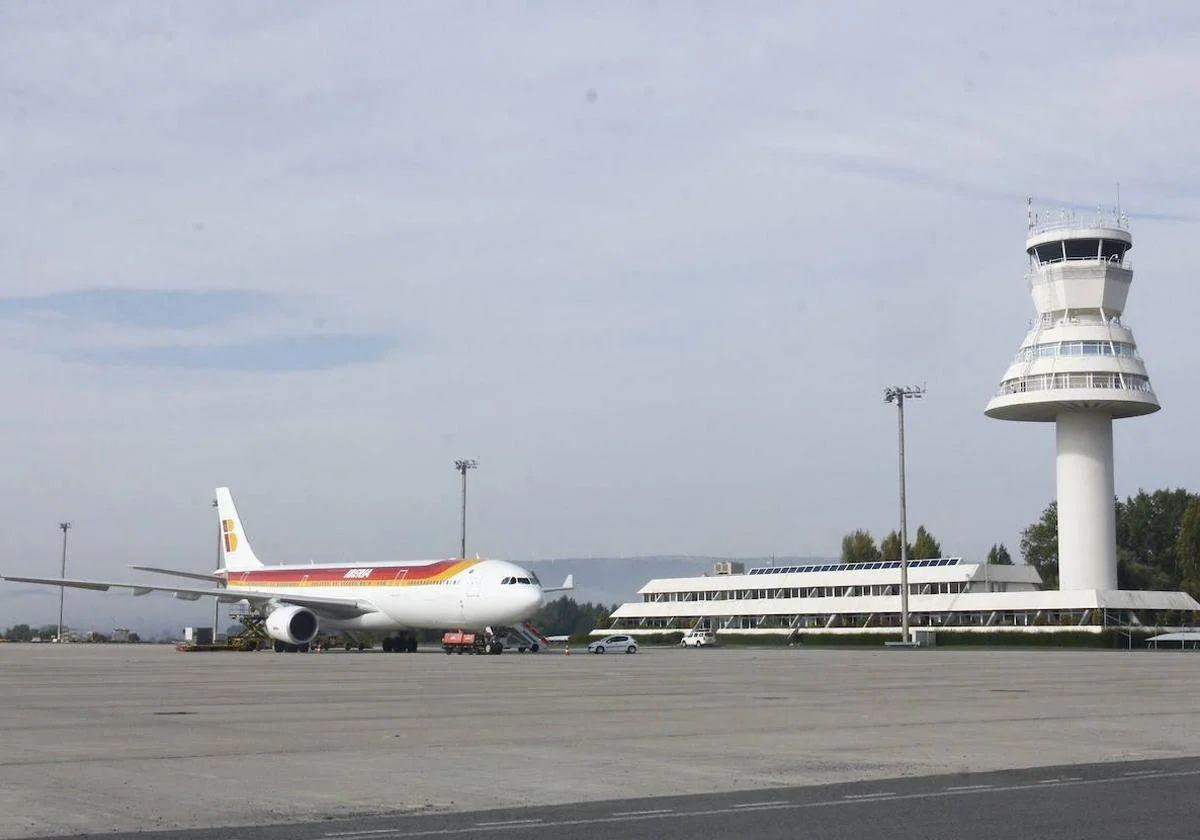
x: 698, y: 638
x: 613, y: 644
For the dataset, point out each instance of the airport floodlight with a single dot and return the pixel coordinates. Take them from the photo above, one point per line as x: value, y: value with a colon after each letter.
x: 462, y: 467
x: 220, y: 564
x: 898, y: 394
x: 64, y: 527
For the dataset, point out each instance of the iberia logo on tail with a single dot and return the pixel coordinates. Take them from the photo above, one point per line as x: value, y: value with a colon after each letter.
x: 231, y: 540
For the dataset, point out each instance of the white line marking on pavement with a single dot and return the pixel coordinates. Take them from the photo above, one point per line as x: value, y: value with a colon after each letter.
x: 506, y: 822
x: 1049, y: 781
x: 642, y: 813
x: 364, y: 833
x: 1141, y: 773
x: 969, y: 787
x: 882, y: 793
x: 761, y: 804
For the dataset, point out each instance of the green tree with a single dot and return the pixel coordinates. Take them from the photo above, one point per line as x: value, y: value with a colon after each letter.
x: 1187, y: 548
x: 19, y: 633
x: 998, y: 555
x: 1187, y: 544
x: 889, y: 546
x: 859, y: 547
x: 925, y: 547
x: 1148, y: 529
x: 565, y: 617
x: 1039, y: 545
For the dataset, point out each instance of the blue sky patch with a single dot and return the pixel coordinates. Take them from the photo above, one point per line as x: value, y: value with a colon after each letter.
x: 283, y: 354
x: 145, y: 308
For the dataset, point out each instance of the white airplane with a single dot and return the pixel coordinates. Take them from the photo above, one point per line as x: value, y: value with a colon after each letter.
x: 391, y: 597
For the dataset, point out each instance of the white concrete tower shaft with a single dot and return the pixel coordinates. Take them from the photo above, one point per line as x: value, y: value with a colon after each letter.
x: 1087, y: 517
x: 1079, y: 367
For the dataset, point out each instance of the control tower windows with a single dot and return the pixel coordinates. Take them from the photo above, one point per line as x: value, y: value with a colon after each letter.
x: 1111, y: 250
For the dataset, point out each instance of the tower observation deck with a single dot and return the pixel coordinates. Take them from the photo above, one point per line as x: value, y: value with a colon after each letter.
x: 1079, y: 367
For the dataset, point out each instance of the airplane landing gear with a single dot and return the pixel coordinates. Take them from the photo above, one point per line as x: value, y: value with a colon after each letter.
x: 402, y: 643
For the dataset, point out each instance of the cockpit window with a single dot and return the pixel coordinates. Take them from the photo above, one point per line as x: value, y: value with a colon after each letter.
x: 506, y: 581
x: 524, y: 580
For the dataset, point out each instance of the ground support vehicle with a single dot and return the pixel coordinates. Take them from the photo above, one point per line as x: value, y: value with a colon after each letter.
x: 460, y: 642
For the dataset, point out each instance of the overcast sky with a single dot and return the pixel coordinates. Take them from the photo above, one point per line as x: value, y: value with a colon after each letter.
x: 651, y: 263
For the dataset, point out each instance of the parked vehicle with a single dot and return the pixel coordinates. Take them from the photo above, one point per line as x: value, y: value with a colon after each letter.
x: 613, y: 644
x: 698, y: 638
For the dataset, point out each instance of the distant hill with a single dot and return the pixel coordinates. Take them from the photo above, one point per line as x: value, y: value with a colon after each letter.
x: 615, y: 580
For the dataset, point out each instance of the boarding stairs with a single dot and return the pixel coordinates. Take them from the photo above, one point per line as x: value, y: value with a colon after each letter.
x: 523, y: 637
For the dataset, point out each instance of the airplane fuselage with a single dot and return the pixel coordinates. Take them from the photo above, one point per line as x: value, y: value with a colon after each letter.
x: 433, y: 594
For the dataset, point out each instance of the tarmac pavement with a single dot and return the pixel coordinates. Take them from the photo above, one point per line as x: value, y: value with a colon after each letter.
x: 114, y: 738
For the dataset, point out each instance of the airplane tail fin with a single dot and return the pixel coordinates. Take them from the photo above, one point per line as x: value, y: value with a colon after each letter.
x: 235, y: 548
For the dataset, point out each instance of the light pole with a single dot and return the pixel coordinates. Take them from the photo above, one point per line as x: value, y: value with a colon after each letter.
x: 898, y: 394
x: 217, y: 601
x: 64, y: 527
x: 462, y: 467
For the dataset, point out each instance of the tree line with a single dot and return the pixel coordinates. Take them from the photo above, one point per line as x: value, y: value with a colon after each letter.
x: 566, y: 617
x: 859, y: 547
x: 1158, y: 542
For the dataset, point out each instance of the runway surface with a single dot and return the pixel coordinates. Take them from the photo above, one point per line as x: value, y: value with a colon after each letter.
x: 115, y: 739
x: 1124, y: 800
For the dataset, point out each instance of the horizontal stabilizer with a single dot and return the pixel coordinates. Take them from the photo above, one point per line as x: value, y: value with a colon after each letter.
x: 567, y: 585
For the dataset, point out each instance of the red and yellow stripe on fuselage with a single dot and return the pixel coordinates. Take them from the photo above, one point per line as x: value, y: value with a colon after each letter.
x: 354, y: 576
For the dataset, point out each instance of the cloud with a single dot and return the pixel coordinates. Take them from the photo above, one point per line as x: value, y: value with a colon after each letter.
x: 142, y: 308
x: 279, y: 354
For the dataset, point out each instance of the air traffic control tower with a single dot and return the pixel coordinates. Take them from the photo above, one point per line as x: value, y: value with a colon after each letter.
x: 1080, y: 369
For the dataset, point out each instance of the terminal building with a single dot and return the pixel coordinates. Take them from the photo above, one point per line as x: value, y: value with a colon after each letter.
x: 946, y: 594
x: 1079, y: 368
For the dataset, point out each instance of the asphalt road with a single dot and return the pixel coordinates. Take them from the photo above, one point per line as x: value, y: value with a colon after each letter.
x: 1145, y: 799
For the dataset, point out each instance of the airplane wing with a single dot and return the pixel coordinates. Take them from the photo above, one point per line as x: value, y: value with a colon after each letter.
x: 567, y: 585
x: 326, y: 607
x: 178, y: 573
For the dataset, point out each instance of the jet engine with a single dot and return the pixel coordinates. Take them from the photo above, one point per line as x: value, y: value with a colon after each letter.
x: 292, y: 625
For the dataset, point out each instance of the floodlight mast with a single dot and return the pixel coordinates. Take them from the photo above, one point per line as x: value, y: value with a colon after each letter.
x: 64, y: 527
x: 220, y: 564
x: 462, y: 467
x: 897, y: 394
